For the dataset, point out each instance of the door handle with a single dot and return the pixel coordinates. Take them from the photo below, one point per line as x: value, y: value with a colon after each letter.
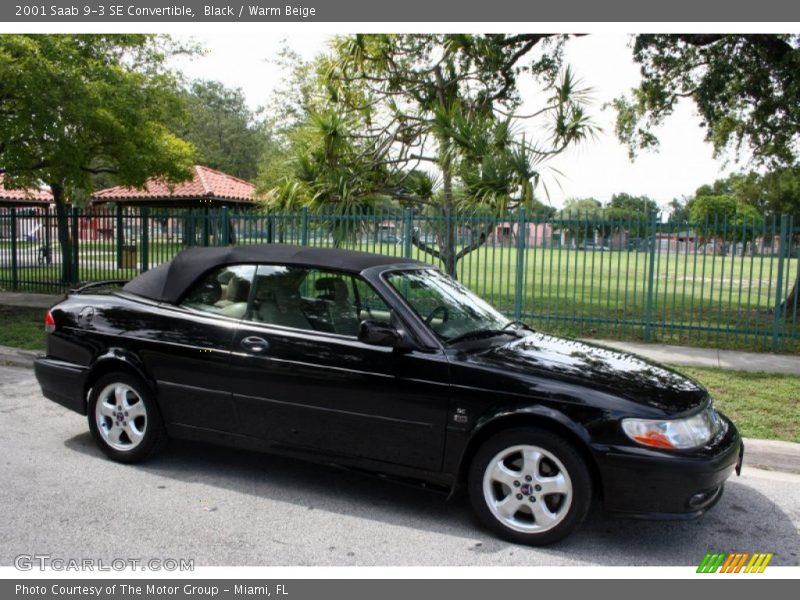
x: 255, y: 344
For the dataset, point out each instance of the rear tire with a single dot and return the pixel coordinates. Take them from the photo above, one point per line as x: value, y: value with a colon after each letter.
x: 124, y: 418
x: 530, y: 486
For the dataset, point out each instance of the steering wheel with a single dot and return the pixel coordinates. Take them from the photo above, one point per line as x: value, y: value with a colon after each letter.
x: 439, y: 309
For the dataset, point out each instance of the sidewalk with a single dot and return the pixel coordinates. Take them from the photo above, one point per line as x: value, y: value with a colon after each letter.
x: 710, y: 357
x: 28, y: 300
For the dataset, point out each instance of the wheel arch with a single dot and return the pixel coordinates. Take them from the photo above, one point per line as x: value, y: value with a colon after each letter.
x: 116, y: 360
x: 549, y: 420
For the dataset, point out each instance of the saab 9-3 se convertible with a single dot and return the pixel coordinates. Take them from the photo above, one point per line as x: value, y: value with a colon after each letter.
x: 387, y: 365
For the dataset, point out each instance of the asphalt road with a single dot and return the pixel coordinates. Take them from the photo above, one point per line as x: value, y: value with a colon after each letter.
x: 60, y: 496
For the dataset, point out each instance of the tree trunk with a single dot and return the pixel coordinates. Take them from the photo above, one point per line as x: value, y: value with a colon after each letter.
x: 791, y: 304
x: 446, y: 234
x: 448, y: 244
x: 474, y: 244
x: 447, y: 241
x: 64, y: 238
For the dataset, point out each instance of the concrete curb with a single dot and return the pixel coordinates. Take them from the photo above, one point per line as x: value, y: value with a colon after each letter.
x: 16, y: 357
x: 772, y: 455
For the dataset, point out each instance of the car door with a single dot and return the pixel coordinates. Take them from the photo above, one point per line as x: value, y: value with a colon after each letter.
x: 188, y: 352
x: 301, y: 378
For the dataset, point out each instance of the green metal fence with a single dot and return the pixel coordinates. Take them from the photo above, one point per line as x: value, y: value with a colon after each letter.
x: 715, y: 283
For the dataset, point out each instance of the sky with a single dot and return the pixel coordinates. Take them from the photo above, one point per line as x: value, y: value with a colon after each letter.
x: 598, y: 168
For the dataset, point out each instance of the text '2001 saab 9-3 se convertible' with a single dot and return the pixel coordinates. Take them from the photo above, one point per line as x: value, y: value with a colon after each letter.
x: 387, y: 365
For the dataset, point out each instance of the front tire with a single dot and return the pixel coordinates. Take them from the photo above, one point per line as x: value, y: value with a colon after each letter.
x: 124, y: 418
x: 530, y: 486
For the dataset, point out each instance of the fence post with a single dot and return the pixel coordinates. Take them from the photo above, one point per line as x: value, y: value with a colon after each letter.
x: 48, y: 241
x: 522, y: 233
x: 304, y: 230
x: 783, y: 244
x: 76, y: 244
x: 651, y: 278
x: 206, y: 226
x: 226, y: 233
x: 408, y: 225
x: 145, y: 238
x: 120, y: 235
x: 189, y: 228
x: 14, y: 265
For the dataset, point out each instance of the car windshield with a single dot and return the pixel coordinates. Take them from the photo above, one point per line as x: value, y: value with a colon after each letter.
x: 451, y: 311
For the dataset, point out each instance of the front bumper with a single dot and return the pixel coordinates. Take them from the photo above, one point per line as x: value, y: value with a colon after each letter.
x: 640, y: 482
x: 62, y: 382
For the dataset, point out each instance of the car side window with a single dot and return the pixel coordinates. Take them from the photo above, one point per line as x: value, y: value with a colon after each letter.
x: 369, y: 304
x: 222, y: 291
x: 313, y: 299
x: 277, y: 298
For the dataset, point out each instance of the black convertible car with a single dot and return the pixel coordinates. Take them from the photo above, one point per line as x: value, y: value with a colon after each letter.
x: 386, y: 365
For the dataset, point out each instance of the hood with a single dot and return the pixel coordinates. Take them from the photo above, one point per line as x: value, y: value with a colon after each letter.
x: 595, y: 367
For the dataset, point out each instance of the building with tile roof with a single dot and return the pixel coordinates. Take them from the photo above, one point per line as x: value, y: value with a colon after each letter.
x: 27, y: 197
x: 207, y: 187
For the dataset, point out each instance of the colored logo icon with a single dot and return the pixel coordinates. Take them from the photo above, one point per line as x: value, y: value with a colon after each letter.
x: 735, y: 562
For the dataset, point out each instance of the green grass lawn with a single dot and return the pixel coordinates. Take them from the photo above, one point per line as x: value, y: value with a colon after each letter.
x: 763, y: 405
x: 22, y: 327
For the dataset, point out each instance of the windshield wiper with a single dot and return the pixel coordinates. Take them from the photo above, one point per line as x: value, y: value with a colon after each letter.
x: 480, y: 333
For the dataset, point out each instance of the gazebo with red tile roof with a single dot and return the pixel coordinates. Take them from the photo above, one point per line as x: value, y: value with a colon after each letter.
x: 207, y: 187
x: 26, y: 197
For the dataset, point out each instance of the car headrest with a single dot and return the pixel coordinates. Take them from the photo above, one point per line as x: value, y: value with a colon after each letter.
x: 238, y: 289
x: 333, y: 288
x: 209, y: 292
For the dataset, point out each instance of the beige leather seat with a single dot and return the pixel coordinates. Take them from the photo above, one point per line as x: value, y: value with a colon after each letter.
x: 234, y: 303
x: 341, y: 312
x: 278, y: 302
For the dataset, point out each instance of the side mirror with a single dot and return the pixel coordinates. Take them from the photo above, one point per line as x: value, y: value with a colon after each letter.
x: 377, y: 333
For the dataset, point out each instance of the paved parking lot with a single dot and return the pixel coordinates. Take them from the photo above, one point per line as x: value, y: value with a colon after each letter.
x: 60, y: 496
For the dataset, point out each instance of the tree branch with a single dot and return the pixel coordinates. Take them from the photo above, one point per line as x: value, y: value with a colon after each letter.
x: 98, y: 170
x: 482, y: 239
x: 776, y: 47
x: 425, y: 247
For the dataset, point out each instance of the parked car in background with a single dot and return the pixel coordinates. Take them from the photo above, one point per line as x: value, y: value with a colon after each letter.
x: 599, y: 247
x: 384, y: 364
x: 388, y: 237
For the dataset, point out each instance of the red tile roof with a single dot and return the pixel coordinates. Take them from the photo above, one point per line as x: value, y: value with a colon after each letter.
x: 207, y: 184
x: 28, y: 196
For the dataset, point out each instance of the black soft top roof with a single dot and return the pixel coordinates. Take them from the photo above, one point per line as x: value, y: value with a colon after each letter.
x: 168, y: 282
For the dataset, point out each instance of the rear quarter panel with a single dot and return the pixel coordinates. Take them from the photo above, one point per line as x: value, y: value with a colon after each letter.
x: 182, y: 354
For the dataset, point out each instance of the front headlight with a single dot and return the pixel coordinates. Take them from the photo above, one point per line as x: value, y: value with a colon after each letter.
x: 679, y: 434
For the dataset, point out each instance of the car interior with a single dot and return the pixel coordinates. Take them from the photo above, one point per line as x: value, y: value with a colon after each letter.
x: 234, y: 295
x: 302, y: 298
x: 293, y: 297
x: 307, y: 299
x: 223, y: 292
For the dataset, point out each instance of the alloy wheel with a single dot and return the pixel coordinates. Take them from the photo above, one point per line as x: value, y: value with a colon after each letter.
x: 527, y: 489
x: 121, y: 416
